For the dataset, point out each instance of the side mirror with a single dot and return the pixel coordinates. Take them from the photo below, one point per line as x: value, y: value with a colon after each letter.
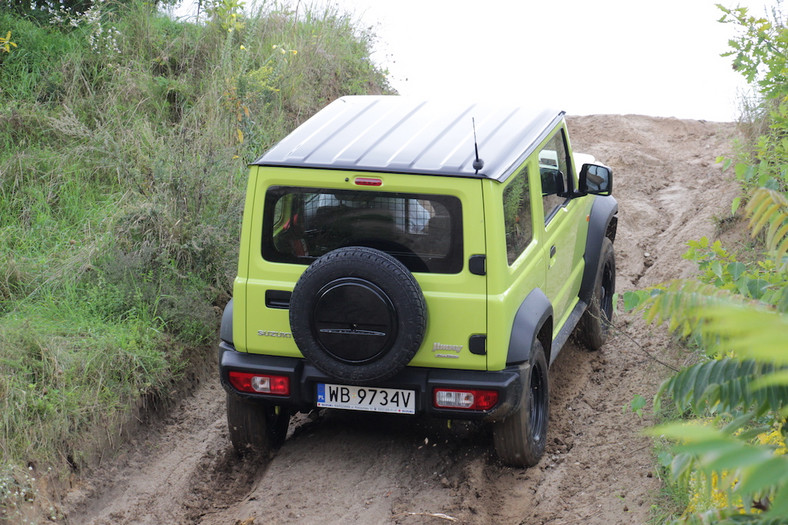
x: 596, y: 179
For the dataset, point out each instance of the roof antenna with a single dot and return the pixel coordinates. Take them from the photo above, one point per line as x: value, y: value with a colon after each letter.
x: 477, y: 162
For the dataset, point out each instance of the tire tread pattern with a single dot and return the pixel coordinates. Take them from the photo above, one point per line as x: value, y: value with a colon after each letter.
x: 514, y: 439
x: 388, y: 273
x: 255, y: 427
x: 593, y: 328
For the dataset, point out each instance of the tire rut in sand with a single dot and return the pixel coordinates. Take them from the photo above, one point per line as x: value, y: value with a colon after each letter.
x: 174, y: 473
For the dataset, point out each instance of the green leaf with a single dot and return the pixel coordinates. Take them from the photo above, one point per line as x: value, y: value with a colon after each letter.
x: 782, y: 304
x: 735, y: 205
x: 736, y: 269
x: 770, y: 182
x: 690, y: 432
x: 680, y: 465
x: 762, y: 474
x: 631, y: 300
x: 764, y: 175
x: 737, y: 424
x: 756, y: 287
x: 686, y: 386
x: 716, y: 267
x: 779, y: 507
x: 777, y: 378
x: 637, y: 404
x: 749, y: 434
x: 741, y: 170
x: 701, y: 383
x: 709, y: 449
x: 751, y: 333
x: 664, y: 458
x: 737, y: 456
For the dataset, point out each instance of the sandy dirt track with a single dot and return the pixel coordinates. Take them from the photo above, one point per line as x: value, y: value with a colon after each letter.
x: 337, y: 468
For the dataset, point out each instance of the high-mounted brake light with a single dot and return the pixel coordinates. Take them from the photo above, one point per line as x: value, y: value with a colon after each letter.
x: 367, y: 181
x: 260, y: 383
x: 465, y: 399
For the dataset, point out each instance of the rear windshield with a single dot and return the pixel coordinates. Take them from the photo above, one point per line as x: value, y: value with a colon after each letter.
x: 424, y: 232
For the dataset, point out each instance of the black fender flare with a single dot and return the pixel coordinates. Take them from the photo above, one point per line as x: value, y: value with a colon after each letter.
x: 531, y: 316
x: 602, y: 223
x: 226, y: 328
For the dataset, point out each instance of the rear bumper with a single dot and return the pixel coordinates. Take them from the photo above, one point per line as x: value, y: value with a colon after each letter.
x: 303, y: 378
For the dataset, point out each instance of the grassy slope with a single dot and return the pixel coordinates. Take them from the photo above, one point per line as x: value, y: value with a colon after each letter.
x: 122, y: 171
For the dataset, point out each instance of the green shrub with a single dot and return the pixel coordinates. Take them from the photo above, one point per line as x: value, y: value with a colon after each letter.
x: 731, y: 456
x: 122, y: 172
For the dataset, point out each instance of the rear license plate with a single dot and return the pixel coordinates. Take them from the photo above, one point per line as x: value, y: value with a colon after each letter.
x: 366, y: 398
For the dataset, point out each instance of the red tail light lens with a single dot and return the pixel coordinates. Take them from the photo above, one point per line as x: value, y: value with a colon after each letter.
x: 367, y: 181
x: 260, y: 383
x: 465, y: 399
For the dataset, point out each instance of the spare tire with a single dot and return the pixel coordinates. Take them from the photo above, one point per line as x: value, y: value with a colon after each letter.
x: 358, y: 315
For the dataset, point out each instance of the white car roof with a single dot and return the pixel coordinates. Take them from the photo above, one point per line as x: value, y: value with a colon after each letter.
x: 407, y: 135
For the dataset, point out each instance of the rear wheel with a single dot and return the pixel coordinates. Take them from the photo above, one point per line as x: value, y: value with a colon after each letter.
x: 595, y: 323
x: 520, y: 438
x: 256, y: 427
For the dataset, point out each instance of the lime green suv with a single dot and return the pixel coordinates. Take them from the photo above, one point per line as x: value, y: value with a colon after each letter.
x: 422, y: 258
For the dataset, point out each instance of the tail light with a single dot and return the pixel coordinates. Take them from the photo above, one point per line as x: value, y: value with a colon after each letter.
x: 260, y: 383
x: 465, y: 399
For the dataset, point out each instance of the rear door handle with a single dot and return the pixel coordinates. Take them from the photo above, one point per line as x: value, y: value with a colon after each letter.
x: 552, y: 251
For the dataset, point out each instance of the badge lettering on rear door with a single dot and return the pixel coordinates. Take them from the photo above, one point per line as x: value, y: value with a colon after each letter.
x: 274, y: 333
x: 440, y: 347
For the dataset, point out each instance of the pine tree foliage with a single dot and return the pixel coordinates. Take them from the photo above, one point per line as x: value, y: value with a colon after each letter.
x: 725, y: 385
x: 768, y: 211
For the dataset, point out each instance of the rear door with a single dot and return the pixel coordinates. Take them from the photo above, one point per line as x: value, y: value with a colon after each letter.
x: 431, y: 224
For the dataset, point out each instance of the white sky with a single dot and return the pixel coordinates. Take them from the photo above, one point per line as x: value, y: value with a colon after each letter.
x: 657, y: 58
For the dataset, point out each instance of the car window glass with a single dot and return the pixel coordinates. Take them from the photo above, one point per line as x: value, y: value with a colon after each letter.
x: 424, y: 232
x: 517, y: 215
x: 553, y: 169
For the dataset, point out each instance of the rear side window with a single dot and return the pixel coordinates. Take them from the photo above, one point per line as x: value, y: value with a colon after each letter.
x: 517, y: 215
x: 424, y: 232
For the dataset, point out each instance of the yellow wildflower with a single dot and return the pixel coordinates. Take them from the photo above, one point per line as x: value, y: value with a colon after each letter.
x: 774, y: 437
x: 5, y: 43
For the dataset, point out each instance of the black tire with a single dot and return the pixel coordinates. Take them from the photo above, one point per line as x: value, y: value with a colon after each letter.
x: 596, y: 321
x: 358, y: 315
x: 520, y: 438
x: 256, y: 427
